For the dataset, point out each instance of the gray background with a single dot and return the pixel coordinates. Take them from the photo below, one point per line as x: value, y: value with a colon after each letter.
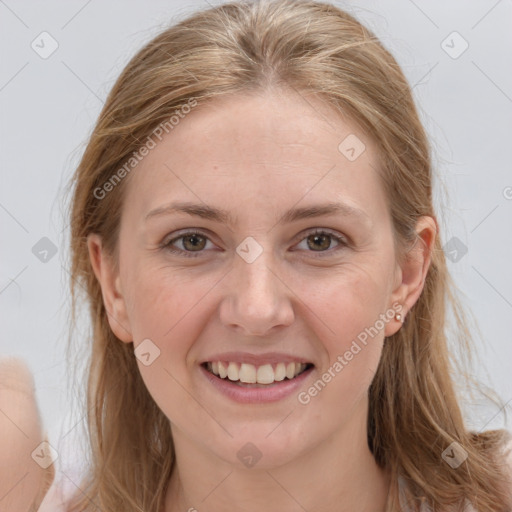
x: 48, y: 107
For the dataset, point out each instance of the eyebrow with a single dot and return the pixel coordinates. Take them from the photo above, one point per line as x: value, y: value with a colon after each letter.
x: 216, y: 214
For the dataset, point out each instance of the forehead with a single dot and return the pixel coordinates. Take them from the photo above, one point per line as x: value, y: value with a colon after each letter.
x: 266, y: 151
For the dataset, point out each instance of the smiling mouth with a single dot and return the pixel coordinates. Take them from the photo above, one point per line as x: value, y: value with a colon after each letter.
x: 249, y: 375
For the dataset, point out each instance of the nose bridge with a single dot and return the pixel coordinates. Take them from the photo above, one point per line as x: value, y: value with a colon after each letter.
x: 258, y: 297
x: 255, y: 276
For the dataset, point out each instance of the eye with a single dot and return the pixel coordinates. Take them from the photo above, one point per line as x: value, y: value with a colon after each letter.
x: 321, y: 239
x: 193, y: 242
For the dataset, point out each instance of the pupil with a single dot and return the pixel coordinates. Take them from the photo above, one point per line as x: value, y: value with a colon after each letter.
x: 324, y: 237
x: 196, y: 238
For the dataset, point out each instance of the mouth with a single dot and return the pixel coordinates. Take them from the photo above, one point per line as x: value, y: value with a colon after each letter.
x: 256, y: 376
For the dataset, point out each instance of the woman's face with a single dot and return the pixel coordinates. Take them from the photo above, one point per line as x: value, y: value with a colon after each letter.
x: 260, y: 288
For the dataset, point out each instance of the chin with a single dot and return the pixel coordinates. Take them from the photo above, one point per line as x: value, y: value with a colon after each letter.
x: 257, y: 449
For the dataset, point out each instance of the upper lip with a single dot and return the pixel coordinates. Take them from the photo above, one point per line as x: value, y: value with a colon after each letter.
x: 256, y: 359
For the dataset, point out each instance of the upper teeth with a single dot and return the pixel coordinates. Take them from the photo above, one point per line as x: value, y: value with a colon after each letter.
x: 250, y: 374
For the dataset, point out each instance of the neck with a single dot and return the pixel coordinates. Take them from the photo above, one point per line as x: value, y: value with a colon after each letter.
x: 337, y: 475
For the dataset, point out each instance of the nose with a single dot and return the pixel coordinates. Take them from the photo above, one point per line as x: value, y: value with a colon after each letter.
x: 258, y: 298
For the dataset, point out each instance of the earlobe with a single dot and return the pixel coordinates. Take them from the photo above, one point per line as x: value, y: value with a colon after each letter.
x: 108, y: 278
x: 413, y: 271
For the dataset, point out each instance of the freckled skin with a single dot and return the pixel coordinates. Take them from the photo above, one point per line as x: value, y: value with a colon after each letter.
x: 258, y: 157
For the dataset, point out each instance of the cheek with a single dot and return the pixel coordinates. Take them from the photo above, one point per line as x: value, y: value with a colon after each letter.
x: 351, y: 305
x: 169, y: 311
x: 350, y: 301
x: 159, y: 300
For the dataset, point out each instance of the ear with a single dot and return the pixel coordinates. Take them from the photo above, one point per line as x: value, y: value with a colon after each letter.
x: 108, y: 276
x: 410, y: 276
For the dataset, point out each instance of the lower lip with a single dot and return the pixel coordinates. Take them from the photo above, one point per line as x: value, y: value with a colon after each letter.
x: 251, y: 395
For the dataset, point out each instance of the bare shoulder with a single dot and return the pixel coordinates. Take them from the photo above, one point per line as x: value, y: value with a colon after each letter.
x: 55, y: 499
x: 23, y: 482
x: 68, y: 479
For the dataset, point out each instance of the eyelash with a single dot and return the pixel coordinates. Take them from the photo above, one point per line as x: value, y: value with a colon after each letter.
x: 194, y: 254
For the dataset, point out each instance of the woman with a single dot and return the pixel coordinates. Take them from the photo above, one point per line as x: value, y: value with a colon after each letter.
x: 252, y: 220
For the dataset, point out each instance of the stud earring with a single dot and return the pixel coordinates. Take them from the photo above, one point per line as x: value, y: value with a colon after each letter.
x: 399, y: 317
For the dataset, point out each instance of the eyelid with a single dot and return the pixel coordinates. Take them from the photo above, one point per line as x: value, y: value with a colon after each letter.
x: 342, y: 240
x: 187, y: 231
x: 166, y: 244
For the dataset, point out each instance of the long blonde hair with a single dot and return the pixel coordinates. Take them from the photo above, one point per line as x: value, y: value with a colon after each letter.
x: 312, y: 47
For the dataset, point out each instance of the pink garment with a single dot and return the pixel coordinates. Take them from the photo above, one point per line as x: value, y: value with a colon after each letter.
x: 62, y: 488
